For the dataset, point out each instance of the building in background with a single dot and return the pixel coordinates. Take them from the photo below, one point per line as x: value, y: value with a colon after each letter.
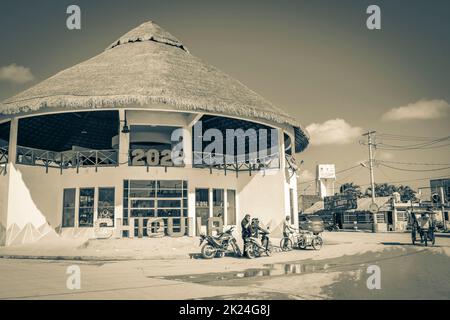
x: 88, y: 151
x: 437, y: 184
x: 326, y: 177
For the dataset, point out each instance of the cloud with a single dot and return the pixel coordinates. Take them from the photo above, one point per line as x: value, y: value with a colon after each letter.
x: 385, y: 155
x: 420, y: 110
x: 15, y: 74
x: 305, y: 175
x: 335, y: 131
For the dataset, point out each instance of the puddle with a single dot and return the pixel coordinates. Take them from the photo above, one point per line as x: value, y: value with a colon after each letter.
x: 344, y: 263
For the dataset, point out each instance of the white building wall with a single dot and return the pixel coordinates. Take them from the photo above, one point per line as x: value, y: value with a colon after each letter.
x: 36, y: 197
x: 4, y: 178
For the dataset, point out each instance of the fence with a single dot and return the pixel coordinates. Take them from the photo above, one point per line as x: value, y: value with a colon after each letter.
x: 66, y: 159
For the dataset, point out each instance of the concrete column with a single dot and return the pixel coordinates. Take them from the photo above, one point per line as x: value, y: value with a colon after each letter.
x: 187, y: 146
x: 210, y: 197
x: 124, y: 140
x: 12, y: 148
x: 394, y: 214
x: 225, y: 207
x: 281, y: 149
x: 191, y: 210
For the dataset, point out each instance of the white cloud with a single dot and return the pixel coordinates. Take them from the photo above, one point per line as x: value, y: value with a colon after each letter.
x: 16, y: 74
x: 385, y: 155
x: 335, y: 131
x: 420, y: 110
x: 305, y: 175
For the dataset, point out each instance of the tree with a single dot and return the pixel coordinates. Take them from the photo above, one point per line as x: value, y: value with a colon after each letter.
x: 351, y: 188
x: 387, y: 190
x: 406, y: 193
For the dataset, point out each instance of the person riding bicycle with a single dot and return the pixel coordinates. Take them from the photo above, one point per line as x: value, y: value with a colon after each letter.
x: 288, y: 228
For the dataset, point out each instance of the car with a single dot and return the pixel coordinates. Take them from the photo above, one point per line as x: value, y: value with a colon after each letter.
x: 311, y: 223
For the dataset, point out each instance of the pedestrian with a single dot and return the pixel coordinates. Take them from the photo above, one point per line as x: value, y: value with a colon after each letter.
x: 246, y: 230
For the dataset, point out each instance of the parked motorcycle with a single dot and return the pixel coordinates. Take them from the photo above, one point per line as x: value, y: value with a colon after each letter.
x: 219, y: 245
x: 254, y: 248
x: 332, y: 227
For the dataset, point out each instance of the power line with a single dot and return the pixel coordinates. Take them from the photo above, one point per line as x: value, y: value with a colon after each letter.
x: 415, y: 170
x: 338, y: 172
x: 413, y: 163
x: 389, y: 136
x: 423, y: 145
x: 412, y: 180
x: 348, y: 176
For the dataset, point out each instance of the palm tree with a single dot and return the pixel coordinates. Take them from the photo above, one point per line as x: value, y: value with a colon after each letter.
x: 387, y: 190
x: 351, y: 188
x: 406, y: 193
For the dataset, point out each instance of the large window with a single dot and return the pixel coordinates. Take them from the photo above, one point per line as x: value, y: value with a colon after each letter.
x: 68, y: 220
x: 202, y: 205
x: 86, y: 210
x: 151, y: 198
x: 231, y: 207
x: 218, y: 203
x: 142, y: 195
x: 106, y: 203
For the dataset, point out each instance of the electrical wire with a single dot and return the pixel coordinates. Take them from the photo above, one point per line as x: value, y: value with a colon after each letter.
x: 415, y: 170
x: 412, y: 180
x: 413, y: 163
x: 338, y: 172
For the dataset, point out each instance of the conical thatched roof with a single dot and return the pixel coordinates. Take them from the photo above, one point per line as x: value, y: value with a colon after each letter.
x: 148, y: 67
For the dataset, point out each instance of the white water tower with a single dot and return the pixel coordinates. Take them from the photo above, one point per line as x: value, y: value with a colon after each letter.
x: 325, y: 176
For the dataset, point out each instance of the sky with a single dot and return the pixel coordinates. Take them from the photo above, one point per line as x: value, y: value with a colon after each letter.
x: 317, y: 60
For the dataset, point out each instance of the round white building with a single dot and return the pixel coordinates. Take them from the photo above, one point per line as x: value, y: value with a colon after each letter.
x: 130, y: 140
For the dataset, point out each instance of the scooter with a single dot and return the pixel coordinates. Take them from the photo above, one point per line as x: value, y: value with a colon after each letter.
x: 254, y: 248
x: 218, y: 246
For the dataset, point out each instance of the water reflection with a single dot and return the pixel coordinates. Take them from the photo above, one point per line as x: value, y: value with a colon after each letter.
x: 269, y: 270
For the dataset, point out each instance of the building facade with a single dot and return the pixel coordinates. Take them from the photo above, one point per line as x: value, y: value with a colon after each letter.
x: 129, y: 144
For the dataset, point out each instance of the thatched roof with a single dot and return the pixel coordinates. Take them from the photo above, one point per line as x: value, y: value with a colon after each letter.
x: 148, y: 67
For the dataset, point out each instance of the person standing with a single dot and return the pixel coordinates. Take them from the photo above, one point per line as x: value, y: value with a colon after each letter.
x: 287, y: 227
x: 246, y: 230
x: 246, y: 227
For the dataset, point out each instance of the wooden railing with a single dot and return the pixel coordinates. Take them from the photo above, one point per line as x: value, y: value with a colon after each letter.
x: 3, y: 155
x: 234, y: 163
x: 66, y: 159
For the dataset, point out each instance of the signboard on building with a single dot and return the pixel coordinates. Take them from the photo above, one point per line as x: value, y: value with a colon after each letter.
x: 341, y: 202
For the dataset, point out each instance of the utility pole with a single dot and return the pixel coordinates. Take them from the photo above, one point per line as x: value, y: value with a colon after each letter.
x: 370, y: 144
x: 442, y: 196
x: 372, y: 180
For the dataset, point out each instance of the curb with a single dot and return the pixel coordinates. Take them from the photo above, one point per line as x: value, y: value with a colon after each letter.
x: 93, y: 258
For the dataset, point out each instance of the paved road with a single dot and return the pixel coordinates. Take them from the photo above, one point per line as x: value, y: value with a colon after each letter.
x: 338, y: 271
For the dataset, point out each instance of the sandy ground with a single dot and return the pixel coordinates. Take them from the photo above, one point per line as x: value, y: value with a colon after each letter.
x: 338, y: 271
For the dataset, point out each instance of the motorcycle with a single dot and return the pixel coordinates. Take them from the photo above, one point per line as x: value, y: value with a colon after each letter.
x: 254, y: 248
x: 219, y: 245
x: 332, y: 227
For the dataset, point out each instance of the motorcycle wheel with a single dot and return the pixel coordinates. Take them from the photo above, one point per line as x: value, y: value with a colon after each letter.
x: 433, y: 238
x: 252, y: 251
x: 208, y: 252
x: 286, y: 244
x: 317, y: 243
x: 236, y: 249
x: 269, y: 249
x: 425, y: 237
